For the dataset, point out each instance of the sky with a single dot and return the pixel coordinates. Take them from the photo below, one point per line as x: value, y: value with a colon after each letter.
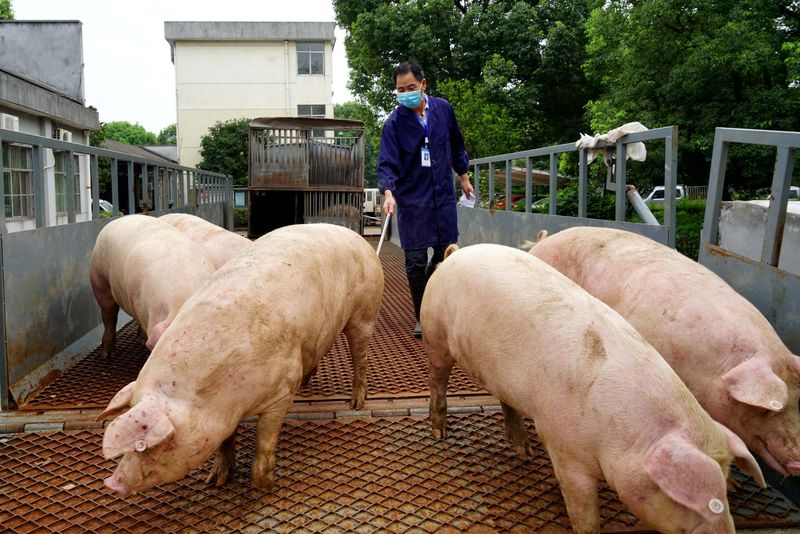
x: 124, y: 40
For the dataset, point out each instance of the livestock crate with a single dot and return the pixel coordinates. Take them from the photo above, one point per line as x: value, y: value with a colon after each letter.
x: 304, y: 170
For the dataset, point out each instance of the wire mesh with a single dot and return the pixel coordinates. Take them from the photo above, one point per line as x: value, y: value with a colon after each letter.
x: 348, y: 475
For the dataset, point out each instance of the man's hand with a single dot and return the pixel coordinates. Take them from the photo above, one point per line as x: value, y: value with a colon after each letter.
x: 388, y: 203
x: 466, y: 186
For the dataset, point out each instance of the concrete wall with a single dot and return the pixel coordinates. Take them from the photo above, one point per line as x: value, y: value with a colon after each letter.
x: 742, y: 227
x: 47, y: 52
x: 234, y: 70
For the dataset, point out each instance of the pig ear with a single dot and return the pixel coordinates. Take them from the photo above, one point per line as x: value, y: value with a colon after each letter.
x: 120, y: 402
x: 744, y: 460
x: 144, y: 426
x: 753, y: 382
x: 794, y: 363
x: 688, y: 477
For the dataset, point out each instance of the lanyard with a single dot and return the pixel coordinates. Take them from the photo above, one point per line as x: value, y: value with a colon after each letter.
x: 424, y: 124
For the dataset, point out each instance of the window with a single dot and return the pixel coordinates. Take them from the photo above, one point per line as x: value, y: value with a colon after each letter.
x: 310, y: 58
x: 18, y: 181
x: 316, y: 111
x: 61, y: 182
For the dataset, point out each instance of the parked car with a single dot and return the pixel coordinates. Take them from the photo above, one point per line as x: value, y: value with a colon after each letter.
x: 656, y: 196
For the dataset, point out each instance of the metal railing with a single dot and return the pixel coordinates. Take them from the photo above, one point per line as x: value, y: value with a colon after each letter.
x: 616, y: 180
x: 174, y: 186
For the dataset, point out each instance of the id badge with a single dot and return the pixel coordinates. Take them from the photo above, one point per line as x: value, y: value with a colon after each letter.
x: 426, y: 157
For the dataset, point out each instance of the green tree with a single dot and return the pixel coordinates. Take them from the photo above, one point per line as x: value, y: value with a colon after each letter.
x: 131, y: 134
x: 224, y: 149
x: 169, y: 135
x: 372, y: 135
x: 6, y: 12
x: 523, y: 57
x: 698, y: 64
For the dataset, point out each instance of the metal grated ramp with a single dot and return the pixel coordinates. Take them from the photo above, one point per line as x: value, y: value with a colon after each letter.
x: 346, y: 475
x: 397, y: 365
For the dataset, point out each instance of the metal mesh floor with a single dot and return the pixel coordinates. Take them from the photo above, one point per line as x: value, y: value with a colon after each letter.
x: 397, y: 366
x: 359, y: 475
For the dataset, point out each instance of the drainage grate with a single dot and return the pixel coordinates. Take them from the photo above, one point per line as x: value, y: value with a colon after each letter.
x: 359, y: 475
x: 397, y: 364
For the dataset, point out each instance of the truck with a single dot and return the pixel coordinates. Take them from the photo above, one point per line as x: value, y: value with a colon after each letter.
x: 372, y: 206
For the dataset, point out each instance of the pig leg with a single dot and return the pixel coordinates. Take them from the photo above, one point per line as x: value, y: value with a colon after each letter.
x: 440, y: 366
x: 224, y: 462
x: 358, y: 333
x: 109, y: 310
x: 515, y: 431
x: 580, y: 495
x: 308, y: 376
x: 267, y: 430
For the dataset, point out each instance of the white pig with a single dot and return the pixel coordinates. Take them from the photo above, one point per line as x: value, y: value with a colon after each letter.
x: 220, y: 244
x: 605, y: 404
x: 239, y: 348
x: 149, y: 269
x: 722, y: 347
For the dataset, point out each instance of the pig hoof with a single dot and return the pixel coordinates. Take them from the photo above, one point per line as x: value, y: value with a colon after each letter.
x: 218, y: 475
x: 439, y: 433
x: 525, y: 450
x: 357, y: 403
x: 267, y: 483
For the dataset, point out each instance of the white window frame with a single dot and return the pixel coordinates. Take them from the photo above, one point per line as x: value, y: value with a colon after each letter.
x: 310, y: 58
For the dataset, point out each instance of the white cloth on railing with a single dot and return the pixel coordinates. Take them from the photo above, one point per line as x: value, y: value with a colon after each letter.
x: 634, y: 151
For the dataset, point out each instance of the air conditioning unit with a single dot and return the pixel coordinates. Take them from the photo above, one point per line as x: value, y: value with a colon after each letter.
x: 9, y: 122
x: 62, y: 135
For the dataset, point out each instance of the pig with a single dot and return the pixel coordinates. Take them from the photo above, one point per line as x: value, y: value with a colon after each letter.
x: 220, y: 244
x: 147, y: 268
x: 722, y: 347
x: 605, y: 404
x: 240, y: 347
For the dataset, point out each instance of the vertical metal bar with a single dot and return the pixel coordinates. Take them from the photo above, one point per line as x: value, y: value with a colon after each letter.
x: 583, y: 183
x: 115, y: 186
x: 131, y: 189
x: 95, y: 178
x: 3, y: 229
x: 491, y: 185
x: 5, y: 395
x: 175, y: 194
x: 716, y: 182
x: 528, y: 184
x: 670, y: 184
x: 619, y: 167
x: 38, y: 186
x: 776, y: 216
x: 145, y: 190
x: 508, y: 185
x: 476, y: 175
x: 157, y: 189
x: 553, y: 183
x: 70, y: 190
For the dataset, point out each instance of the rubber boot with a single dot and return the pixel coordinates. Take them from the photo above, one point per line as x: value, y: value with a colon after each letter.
x: 417, y: 287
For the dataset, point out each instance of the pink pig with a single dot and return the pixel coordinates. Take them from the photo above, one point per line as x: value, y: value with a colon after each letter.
x: 722, y: 347
x: 605, y: 404
x: 220, y: 244
x: 147, y: 268
x: 239, y: 348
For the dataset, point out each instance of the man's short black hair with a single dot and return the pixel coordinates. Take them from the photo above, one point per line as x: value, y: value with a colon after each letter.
x: 405, y: 68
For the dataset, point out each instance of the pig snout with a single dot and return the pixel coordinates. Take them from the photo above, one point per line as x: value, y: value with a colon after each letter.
x: 793, y: 468
x: 117, y: 486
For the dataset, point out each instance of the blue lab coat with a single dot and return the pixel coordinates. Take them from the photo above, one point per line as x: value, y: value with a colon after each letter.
x: 425, y: 196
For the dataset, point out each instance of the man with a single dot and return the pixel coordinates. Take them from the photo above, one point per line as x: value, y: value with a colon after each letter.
x: 421, y: 145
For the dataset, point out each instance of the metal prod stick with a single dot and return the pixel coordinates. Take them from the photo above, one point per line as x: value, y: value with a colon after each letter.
x: 383, y: 233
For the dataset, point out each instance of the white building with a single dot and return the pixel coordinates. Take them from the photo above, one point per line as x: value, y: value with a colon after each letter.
x: 234, y: 70
x: 42, y: 93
